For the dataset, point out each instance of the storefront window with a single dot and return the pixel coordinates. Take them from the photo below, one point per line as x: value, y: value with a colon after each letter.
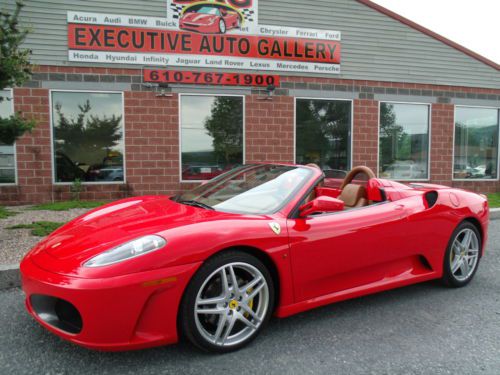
x: 88, y: 136
x: 7, y: 152
x: 404, y: 141
x: 323, y: 134
x: 476, y: 143
x: 211, y: 135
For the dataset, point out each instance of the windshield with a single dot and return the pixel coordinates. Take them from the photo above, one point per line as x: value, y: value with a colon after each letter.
x: 250, y: 189
x: 208, y: 10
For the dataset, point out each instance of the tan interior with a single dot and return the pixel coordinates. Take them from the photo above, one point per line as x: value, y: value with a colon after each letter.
x: 354, y: 196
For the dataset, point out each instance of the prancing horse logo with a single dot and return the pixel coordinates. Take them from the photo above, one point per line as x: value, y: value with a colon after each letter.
x: 276, y: 228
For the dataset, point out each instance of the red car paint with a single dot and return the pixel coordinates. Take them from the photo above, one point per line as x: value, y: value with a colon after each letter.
x: 210, y: 23
x: 318, y: 260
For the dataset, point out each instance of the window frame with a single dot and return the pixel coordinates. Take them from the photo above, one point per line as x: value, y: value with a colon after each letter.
x: 351, y: 128
x: 16, y: 179
x: 52, y: 154
x: 180, y: 129
x: 429, y: 143
x: 453, y: 145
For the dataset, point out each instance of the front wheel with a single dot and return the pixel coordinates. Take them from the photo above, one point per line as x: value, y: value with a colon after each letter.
x: 222, y: 26
x: 227, y: 303
x: 462, y: 255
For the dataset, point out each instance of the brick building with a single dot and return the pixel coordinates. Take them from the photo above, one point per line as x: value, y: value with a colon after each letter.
x: 129, y: 100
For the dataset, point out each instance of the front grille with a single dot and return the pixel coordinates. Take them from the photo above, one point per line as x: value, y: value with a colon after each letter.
x: 57, y: 312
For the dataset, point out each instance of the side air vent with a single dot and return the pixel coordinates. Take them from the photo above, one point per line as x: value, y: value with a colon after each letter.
x: 431, y: 198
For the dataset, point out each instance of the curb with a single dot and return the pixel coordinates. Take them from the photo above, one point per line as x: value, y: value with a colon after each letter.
x: 494, y: 213
x: 11, y: 278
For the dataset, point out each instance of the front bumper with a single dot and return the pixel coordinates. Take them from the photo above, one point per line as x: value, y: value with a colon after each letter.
x: 121, y: 313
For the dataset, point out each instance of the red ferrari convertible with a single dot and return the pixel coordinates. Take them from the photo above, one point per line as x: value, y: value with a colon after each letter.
x: 210, y: 18
x: 215, y: 263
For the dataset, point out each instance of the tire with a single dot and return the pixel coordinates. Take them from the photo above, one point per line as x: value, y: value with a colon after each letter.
x: 222, y: 26
x: 458, y: 254
x: 235, y: 317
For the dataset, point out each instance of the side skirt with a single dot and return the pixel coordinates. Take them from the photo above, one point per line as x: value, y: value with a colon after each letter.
x: 379, y: 286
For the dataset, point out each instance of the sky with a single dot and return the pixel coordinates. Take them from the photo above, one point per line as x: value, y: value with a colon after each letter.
x: 194, y: 111
x: 473, y: 24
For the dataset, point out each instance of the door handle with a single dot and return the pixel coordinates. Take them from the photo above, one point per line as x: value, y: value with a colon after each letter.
x: 399, y: 207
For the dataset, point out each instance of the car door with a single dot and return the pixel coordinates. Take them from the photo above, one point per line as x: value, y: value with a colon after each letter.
x: 338, y: 251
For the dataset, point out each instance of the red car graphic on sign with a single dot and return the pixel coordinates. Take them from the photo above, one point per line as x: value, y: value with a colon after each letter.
x: 210, y: 18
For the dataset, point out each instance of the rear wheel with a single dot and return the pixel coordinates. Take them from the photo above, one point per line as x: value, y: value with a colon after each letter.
x: 462, y: 256
x: 227, y: 303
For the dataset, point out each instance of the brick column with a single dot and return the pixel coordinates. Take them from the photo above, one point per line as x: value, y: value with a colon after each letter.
x: 33, y: 151
x: 152, y: 142
x: 442, y: 128
x: 365, y: 133
x: 269, y: 128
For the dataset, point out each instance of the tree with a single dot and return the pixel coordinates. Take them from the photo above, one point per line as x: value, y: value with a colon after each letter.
x: 15, y: 69
x: 392, y: 135
x: 225, y: 126
x: 89, y: 133
x: 323, y: 132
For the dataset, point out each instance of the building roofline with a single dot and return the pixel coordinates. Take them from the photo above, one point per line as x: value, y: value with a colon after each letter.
x: 430, y: 33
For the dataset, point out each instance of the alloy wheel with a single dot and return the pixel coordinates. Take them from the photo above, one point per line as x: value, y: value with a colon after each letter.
x: 464, y: 254
x: 231, y: 304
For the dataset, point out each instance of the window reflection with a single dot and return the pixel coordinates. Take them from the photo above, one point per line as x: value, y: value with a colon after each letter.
x: 476, y: 143
x: 404, y: 141
x: 88, y: 136
x: 7, y: 151
x: 211, y: 134
x: 323, y: 134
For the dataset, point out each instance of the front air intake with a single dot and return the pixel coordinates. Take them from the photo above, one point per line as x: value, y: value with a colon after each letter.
x: 57, y: 312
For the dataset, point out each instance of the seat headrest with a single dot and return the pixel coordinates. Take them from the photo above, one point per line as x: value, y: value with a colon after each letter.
x: 352, y: 193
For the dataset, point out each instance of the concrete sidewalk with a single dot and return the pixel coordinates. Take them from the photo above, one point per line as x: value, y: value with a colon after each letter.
x: 10, y: 277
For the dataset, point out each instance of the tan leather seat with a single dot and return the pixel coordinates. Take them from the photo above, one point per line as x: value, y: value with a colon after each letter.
x: 354, y: 196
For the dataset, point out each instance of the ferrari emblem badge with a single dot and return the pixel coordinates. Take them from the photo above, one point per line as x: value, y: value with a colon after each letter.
x: 275, y: 227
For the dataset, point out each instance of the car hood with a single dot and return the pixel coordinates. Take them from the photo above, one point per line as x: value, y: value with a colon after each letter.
x: 65, y: 250
x: 199, y: 18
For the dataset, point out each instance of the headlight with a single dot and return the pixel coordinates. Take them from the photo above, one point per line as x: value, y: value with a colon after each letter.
x: 132, y: 249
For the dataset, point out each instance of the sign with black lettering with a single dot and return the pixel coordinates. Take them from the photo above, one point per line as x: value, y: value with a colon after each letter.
x: 203, y: 34
x: 209, y: 78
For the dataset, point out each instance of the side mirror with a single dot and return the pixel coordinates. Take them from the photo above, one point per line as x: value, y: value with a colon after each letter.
x: 321, y: 204
x: 223, y: 12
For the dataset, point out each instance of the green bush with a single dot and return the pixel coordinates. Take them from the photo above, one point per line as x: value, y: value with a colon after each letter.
x: 66, y: 205
x: 39, y: 228
x: 4, y: 213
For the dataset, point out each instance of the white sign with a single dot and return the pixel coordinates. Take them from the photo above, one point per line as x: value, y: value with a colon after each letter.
x: 221, y: 40
x: 202, y: 62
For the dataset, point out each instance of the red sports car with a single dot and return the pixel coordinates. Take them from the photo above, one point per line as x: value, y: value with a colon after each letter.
x: 210, y: 18
x: 213, y: 264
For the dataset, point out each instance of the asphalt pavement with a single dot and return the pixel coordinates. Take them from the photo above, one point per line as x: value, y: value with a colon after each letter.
x: 421, y: 329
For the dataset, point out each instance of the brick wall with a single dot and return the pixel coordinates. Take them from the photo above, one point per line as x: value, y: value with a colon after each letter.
x: 269, y: 129
x: 152, y: 142
x: 365, y: 133
x: 152, y: 134
x: 442, y: 128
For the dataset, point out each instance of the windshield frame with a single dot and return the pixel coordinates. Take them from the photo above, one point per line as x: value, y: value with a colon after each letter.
x: 292, y: 196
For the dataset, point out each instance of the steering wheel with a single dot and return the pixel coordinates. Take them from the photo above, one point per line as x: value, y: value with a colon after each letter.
x: 350, y: 176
